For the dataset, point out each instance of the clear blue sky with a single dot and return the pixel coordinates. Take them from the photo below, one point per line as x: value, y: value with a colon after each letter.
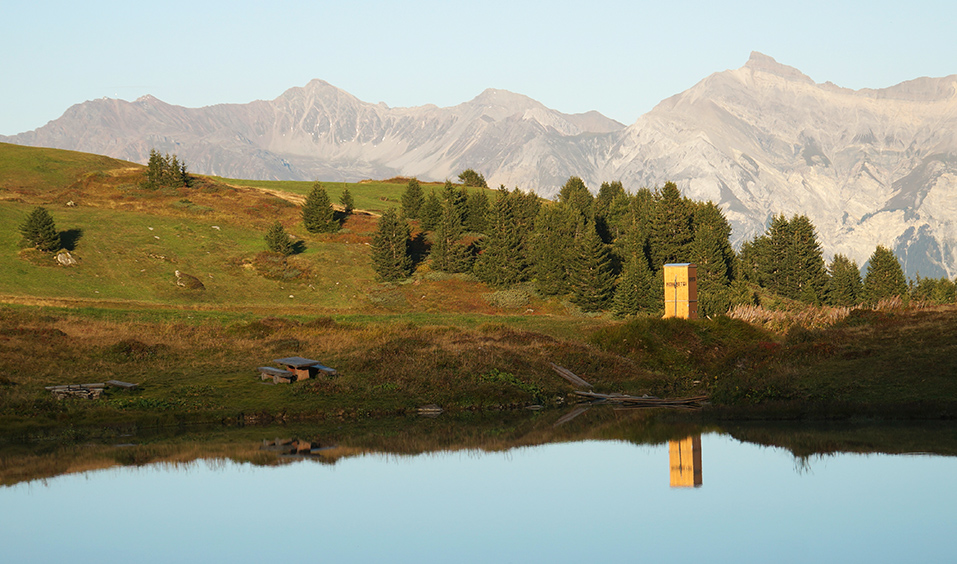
x: 620, y: 58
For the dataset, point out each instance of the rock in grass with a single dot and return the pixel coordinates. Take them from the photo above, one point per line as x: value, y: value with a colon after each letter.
x: 188, y: 281
x: 64, y: 258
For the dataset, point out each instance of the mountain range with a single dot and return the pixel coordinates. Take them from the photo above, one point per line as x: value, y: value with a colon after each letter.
x: 868, y: 167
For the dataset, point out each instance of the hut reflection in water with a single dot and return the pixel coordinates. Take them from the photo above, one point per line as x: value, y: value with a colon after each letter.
x: 685, y: 456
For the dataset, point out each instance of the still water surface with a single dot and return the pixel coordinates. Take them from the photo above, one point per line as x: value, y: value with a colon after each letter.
x: 568, y: 502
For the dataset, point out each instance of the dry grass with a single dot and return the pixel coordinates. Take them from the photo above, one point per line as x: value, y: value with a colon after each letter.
x: 205, y: 368
x: 780, y: 322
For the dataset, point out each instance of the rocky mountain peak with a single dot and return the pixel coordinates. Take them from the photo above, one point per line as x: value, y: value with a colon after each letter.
x: 763, y: 63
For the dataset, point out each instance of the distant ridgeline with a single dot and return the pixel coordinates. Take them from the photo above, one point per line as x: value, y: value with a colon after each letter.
x: 868, y: 167
x: 607, y: 252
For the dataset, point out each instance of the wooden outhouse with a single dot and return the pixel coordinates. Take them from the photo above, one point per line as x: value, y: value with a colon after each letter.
x: 681, y: 290
x: 685, y: 458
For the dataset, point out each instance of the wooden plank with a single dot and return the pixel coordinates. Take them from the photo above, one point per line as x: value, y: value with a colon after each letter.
x: 119, y: 384
x: 643, y: 401
x: 569, y: 375
x: 267, y: 370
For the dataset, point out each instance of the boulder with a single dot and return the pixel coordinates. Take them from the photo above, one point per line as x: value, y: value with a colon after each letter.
x: 188, y: 281
x: 64, y: 258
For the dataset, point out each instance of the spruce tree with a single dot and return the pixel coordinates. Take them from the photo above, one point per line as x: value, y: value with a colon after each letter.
x: 165, y: 172
x: 476, y: 212
x: 844, y: 286
x: 635, y: 292
x: 556, y: 232
x: 347, y: 202
x: 884, y: 278
x: 469, y: 177
x: 671, y: 228
x: 390, y: 248
x: 412, y: 200
x: 449, y: 253
x: 575, y: 195
x: 39, y: 231
x: 711, y: 252
x: 710, y: 248
x: 811, y: 273
x: 612, y: 207
x: 504, y: 259
x: 753, y: 258
x: 431, y: 212
x: 591, y: 279
x: 934, y: 290
x: 787, y: 260
x: 317, y: 213
x: 278, y: 241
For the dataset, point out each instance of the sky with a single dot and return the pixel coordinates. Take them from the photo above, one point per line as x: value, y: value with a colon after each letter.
x: 617, y: 57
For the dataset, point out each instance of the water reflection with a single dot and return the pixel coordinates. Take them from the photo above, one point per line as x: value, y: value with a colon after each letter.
x: 685, y: 458
x: 584, y: 499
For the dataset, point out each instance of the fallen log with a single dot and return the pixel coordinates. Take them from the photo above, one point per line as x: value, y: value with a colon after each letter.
x: 624, y: 400
x: 570, y: 415
x: 569, y: 375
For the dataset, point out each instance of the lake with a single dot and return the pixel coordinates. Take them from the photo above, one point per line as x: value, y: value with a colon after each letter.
x: 701, y: 497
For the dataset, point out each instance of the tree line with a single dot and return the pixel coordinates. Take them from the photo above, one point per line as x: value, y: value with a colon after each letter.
x: 606, y: 252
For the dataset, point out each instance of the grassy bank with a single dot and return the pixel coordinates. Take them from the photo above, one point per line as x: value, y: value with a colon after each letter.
x: 202, y: 366
x: 896, y: 363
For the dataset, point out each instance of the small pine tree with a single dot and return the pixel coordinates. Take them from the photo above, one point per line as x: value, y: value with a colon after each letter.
x: 348, y: 204
x: 557, y: 229
x: 278, y: 241
x: 591, y: 278
x: 885, y: 278
x: 933, y: 290
x: 844, y: 286
x: 317, y: 213
x: 635, y: 292
x: 39, y: 231
x: 390, y: 248
x: 412, y: 200
x: 449, y: 253
x: 469, y: 177
x: 431, y: 212
x: 576, y: 195
x: 476, y: 212
x: 165, y: 172
x: 504, y: 259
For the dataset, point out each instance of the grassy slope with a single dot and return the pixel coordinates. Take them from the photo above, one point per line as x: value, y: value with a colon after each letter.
x: 402, y: 345
x: 398, y: 346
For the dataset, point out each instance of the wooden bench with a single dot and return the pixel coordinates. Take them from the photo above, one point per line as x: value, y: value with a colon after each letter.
x: 278, y: 375
x: 324, y: 369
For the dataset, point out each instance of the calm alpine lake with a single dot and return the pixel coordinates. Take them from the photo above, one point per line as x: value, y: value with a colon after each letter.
x: 702, y: 496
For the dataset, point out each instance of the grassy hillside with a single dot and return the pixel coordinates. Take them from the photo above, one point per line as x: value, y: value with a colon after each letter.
x: 28, y: 170
x: 437, y: 338
x: 130, y: 241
